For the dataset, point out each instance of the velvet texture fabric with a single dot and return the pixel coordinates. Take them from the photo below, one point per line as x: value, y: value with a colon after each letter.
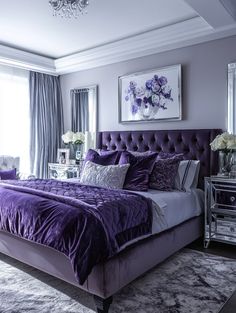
x: 193, y: 143
x: 137, y: 177
x: 8, y: 174
x: 164, y: 173
x: 87, y: 224
x: 104, y: 158
x: 167, y: 155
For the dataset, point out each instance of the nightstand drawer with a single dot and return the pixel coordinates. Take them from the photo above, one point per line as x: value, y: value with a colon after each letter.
x: 228, y: 198
x: 64, y: 171
x: 224, y: 194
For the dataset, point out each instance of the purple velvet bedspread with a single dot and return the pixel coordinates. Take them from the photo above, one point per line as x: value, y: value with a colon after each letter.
x: 87, y: 224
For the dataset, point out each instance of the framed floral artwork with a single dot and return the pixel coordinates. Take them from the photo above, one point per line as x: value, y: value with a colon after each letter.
x: 153, y: 95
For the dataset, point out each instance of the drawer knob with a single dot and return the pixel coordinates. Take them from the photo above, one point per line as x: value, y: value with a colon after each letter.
x: 232, y: 199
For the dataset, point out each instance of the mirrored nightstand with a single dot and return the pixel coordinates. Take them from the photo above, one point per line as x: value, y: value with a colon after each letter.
x: 220, y: 210
x: 64, y: 171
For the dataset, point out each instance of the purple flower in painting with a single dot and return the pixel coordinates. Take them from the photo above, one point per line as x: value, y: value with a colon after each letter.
x: 134, y: 109
x: 155, y: 77
x: 166, y: 92
x: 145, y: 100
x: 140, y: 92
x: 149, y: 84
x: 138, y: 101
x: 162, y: 81
x: 132, y: 85
x: 155, y: 86
x: 168, y: 96
x: 153, y: 95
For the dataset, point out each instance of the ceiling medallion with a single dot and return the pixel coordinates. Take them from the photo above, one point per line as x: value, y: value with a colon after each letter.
x: 68, y: 8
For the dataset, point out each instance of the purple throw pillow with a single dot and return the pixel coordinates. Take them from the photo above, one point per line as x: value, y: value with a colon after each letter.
x: 164, y: 173
x: 8, y: 174
x: 137, y: 177
x: 104, y: 158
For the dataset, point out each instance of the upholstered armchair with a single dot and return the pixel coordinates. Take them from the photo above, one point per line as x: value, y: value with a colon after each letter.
x: 8, y: 162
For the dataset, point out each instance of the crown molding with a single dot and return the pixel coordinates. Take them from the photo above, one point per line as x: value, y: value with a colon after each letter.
x: 26, y: 60
x: 147, y: 43
x: 192, y: 31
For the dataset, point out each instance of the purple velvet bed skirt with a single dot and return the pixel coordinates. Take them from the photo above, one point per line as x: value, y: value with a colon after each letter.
x: 109, y: 277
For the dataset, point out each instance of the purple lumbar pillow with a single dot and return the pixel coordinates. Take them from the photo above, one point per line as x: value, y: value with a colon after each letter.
x: 164, y: 173
x: 104, y: 158
x: 137, y: 177
x: 8, y: 174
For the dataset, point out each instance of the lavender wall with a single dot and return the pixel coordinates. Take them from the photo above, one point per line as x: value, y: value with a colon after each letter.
x: 204, y: 72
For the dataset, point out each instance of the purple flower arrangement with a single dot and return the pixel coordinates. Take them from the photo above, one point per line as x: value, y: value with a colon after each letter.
x: 147, y: 100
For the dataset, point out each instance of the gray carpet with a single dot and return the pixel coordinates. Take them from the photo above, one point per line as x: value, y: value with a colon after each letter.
x: 190, y: 281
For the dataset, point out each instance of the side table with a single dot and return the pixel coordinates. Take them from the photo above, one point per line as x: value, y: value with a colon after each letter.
x: 220, y: 210
x: 64, y: 171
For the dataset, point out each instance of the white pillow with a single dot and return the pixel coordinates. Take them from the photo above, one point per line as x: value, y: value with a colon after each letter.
x: 110, y: 176
x: 187, y: 176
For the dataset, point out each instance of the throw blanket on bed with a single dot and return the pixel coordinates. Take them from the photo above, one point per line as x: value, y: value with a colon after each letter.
x: 88, y: 224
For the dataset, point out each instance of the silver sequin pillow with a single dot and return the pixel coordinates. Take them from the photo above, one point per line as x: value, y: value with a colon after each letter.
x: 110, y: 176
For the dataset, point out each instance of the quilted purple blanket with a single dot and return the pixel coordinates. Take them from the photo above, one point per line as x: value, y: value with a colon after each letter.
x: 87, y: 224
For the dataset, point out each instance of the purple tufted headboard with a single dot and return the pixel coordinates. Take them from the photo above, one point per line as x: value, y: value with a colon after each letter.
x: 194, y: 143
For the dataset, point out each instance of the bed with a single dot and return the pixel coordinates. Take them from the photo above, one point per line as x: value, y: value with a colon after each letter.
x: 110, y: 276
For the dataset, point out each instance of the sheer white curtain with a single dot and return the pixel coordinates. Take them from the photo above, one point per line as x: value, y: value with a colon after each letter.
x: 15, y: 115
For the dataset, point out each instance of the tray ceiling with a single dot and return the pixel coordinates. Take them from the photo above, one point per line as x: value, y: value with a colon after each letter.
x: 29, y: 27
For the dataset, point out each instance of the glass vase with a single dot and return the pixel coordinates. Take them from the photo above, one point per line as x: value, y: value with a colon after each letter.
x: 73, y: 149
x: 225, y: 162
x: 76, y: 151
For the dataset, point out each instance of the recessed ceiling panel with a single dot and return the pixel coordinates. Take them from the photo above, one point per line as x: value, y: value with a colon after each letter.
x: 230, y: 6
x: 31, y: 26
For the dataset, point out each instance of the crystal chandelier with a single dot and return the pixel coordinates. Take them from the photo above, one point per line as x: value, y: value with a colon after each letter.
x: 68, y: 8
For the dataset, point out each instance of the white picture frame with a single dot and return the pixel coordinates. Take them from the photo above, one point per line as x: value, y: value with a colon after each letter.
x: 63, y: 156
x: 153, y: 95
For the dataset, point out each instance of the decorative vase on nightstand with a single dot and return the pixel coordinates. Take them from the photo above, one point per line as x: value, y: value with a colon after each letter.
x: 225, y: 162
x: 225, y: 144
x: 72, y: 151
x: 76, y: 151
x: 75, y: 142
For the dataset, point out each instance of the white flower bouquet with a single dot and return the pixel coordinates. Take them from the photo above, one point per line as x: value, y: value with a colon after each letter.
x: 224, y: 142
x: 73, y: 138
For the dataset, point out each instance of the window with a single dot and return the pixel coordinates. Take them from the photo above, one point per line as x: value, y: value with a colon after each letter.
x: 14, y: 115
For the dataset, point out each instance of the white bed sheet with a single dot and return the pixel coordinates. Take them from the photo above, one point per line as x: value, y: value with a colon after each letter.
x: 174, y: 207
x: 170, y: 208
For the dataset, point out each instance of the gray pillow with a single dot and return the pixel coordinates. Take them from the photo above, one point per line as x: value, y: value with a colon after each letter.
x: 110, y: 176
x: 187, y: 176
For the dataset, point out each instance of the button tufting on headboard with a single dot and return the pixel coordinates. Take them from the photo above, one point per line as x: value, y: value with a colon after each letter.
x: 194, y: 143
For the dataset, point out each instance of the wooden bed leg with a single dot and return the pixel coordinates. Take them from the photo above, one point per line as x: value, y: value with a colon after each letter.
x: 102, y: 305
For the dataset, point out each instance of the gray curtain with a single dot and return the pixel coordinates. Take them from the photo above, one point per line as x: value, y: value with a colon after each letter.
x: 80, y: 110
x: 47, y: 126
